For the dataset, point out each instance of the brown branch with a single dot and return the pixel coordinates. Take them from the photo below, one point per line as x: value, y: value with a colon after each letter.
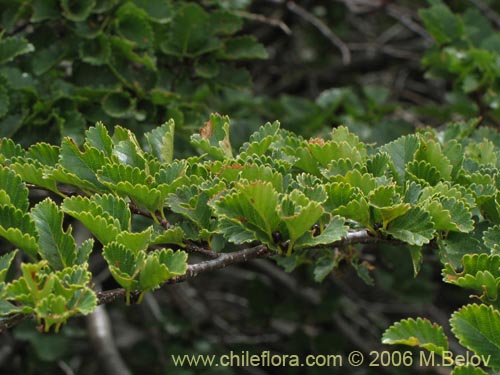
x: 323, y: 28
x: 221, y: 260
x: 267, y: 20
x: 193, y: 270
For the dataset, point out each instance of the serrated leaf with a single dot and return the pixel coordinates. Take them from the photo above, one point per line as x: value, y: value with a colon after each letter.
x: 334, y: 231
x: 300, y: 221
x: 423, y: 172
x: 12, y: 47
x: 102, y: 225
x: 430, y: 151
x: 83, y: 251
x: 477, y: 327
x: 214, y: 138
x: 189, y: 202
x: 386, y: 204
x: 116, y: 207
x: 450, y: 214
x: 171, y: 236
x: 77, y: 10
x: 456, y: 245
x: 443, y: 25
x: 419, y: 332
x: 415, y: 227
x: 16, y: 191
x: 191, y: 33
x: 56, y: 245
x: 326, y: 264
x: 98, y: 137
x: 5, y: 262
x: 132, y: 24
x: 18, y: 228
x: 481, y: 272
x: 117, y: 104
x: 491, y: 239
x: 161, y: 141
x: 124, y: 265
x: 161, y: 266
x: 82, y: 165
x: 357, y: 210
x: 401, y: 151
x: 135, y: 241
x: 252, y: 206
x: 243, y: 47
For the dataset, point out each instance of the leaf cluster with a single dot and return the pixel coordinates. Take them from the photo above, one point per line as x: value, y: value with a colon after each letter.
x: 65, y: 65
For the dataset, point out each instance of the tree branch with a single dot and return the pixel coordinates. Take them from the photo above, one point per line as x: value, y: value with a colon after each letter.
x: 222, y: 260
x: 323, y: 28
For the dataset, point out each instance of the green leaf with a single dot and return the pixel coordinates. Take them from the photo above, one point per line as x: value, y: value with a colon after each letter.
x: 334, y: 231
x: 12, y: 47
x: 477, y: 327
x: 124, y: 265
x: 5, y: 262
x: 401, y: 151
x: 171, y: 236
x: 95, y: 51
x: 98, y: 137
x: 456, y: 245
x: 415, y: 227
x: 191, y: 33
x: 468, y: 370
x: 79, y: 168
x: 430, y: 151
x: 161, y: 142
x: 45, y: 10
x: 135, y: 241
x: 450, y: 214
x: 214, y: 138
x: 491, y: 239
x: 161, y: 266
x: 443, y: 25
x: 158, y: 11
x: 132, y: 24
x: 101, y: 224
x: 56, y: 245
x: 325, y: 265
x: 77, y: 10
x: 18, y: 228
x: 118, y: 104
x: 4, y: 100
x: 304, y: 214
x: 16, y: 192
x: 243, y: 47
x: 251, y: 206
x: 481, y: 272
x: 33, y: 172
x: 419, y: 332
x: 83, y: 251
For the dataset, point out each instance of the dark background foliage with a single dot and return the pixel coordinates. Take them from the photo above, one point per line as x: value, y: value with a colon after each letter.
x: 383, y: 68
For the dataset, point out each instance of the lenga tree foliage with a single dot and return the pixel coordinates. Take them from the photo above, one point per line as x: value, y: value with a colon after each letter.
x: 296, y: 200
x: 280, y: 195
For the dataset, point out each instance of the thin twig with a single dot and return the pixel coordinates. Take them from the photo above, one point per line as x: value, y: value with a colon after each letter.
x: 221, y: 261
x: 404, y: 18
x: 267, y: 20
x: 323, y: 28
x: 99, y: 330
